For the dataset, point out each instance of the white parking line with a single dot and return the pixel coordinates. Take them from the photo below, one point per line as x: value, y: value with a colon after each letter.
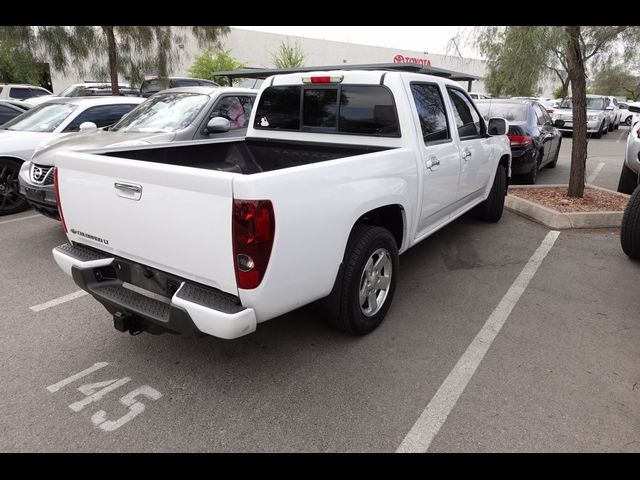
x: 433, y: 417
x: 58, y: 301
x: 595, y: 173
x: 22, y: 218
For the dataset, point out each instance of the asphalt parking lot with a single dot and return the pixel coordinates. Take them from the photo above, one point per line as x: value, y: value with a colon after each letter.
x: 561, y: 373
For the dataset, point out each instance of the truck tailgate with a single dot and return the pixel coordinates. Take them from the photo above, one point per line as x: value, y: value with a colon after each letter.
x: 170, y: 217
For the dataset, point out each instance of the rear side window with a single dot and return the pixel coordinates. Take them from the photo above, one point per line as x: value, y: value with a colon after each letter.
x: 430, y: 106
x: 368, y: 110
x: 19, y: 93
x: 467, y: 118
x: 279, y: 109
x: 350, y: 109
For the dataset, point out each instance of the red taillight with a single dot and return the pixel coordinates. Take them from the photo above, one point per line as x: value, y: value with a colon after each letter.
x: 519, y: 140
x: 57, y: 191
x: 323, y: 79
x: 254, y: 226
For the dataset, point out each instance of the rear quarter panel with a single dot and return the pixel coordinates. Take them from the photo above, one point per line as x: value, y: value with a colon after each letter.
x: 315, y: 208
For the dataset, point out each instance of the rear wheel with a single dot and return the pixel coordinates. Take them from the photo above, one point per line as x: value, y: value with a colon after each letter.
x: 363, y: 293
x: 491, y: 209
x: 627, y: 121
x: 611, y: 126
x: 630, y: 229
x: 628, y: 180
x: 10, y: 199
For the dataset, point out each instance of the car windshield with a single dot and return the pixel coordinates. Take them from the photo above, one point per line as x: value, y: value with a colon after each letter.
x: 593, y: 103
x: 43, y: 118
x: 163, y: 113
x: 514, y: 112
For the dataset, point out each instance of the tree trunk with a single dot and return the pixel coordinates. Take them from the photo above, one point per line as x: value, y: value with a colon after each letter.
x: 113, y: 59
x: 579, y: 98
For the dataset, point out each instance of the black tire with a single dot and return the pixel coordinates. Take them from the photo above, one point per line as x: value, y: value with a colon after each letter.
x: 616, y: 126
x: 627, y: 121
x: 611, y: 126
x: 531, y: 177
x: 491, y: 209
x: 554, y: 162
x: 10, y: 199
x: 630, y: 229
x: 343, y: 305
x: 628, y: 180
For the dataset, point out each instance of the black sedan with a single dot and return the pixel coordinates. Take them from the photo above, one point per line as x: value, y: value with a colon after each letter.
x: 535, y: 142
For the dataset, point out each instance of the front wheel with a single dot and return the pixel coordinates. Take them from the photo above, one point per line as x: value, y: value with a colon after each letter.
x: 491, y: 209
x: 10, y: 199
x: 365, y: 289
x: 630, y: 229
x: 554, y: 162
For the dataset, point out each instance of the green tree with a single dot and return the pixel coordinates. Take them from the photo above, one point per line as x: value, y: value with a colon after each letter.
x: 209, y: 62
x: 616, y: 80
x: 288, y: 56
x: 519, y: 57
x: 109, y: 50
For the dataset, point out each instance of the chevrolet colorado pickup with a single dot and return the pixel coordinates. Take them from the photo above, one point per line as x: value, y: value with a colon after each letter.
x: 340, y: 172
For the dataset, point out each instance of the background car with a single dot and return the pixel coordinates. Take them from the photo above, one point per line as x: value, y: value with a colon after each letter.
x: 613, y: 109
x: 173, y: 115
x: 12, y: 91
x: 478, y: 96
x: 10, y: 109
x: 86, y: 89
x: 630, y: 174
x: 153, y: 85
x: 19, y: 137
x: 597, y: 117
x: 627, y: 116
x: 535, y: 142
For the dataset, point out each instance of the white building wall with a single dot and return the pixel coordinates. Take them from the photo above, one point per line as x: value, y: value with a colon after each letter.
x: 256, y: 49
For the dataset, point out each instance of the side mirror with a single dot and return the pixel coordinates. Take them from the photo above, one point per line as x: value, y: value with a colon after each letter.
x: 497, y: 126
x: 558, y: 123
x: 218, y: 125
x: 85, y: 126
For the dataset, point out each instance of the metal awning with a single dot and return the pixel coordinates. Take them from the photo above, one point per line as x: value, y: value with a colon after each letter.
x: 262, y: 73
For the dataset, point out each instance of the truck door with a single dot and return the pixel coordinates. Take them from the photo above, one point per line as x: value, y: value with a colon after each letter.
x: 475, y: 146
x: 440, y: 155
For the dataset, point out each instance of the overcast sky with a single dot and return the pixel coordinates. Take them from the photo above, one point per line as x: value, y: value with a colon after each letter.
x: 421, y: 39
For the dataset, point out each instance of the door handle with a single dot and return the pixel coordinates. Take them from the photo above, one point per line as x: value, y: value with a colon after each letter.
x: 432, y: 164
x: 128, y: 186
x: 466, y: 154
x: 128, y: 190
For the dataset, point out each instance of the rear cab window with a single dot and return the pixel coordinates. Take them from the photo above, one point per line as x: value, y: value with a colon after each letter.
x: 338, y: 109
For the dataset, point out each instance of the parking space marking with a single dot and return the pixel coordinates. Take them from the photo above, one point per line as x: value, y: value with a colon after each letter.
x: 21, y: 218
x: 58, y: 301
x: 595, y: 173
x: 433, y: 417
x: 57, y: 386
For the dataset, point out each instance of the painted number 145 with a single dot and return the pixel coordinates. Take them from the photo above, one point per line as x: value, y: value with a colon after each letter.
x: 95, y: 391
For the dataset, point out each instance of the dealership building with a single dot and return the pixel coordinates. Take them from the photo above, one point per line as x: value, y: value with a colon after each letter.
x: 256, y: 49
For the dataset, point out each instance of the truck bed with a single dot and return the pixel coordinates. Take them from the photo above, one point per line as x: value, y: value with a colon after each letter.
x: 244, y: 156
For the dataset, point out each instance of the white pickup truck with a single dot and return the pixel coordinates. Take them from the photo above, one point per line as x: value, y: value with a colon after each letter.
x: 340, y: 172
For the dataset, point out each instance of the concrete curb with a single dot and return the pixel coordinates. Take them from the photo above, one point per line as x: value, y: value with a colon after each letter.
x: 562, y: 221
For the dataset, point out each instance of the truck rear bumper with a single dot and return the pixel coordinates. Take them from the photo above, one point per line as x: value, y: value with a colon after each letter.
x: 192, y: 308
